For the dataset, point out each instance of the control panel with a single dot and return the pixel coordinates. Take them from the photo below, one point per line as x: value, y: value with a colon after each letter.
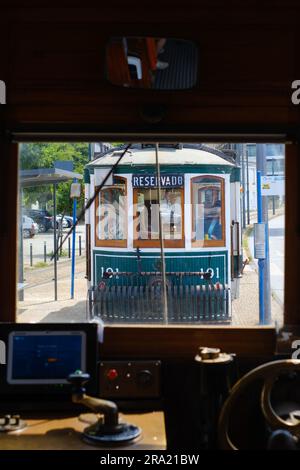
x: 129, y: 379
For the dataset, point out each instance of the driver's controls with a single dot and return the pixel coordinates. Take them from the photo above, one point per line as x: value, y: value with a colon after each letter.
x: 130, y: 379
x: 144, y: 377
x: 108, y: 430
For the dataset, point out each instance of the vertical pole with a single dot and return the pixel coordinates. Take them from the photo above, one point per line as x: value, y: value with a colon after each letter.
x: 73, y: 244
x: 262, y: 213
x: 161, y: 239
x: 273, y: 197
x: 31, y: 257
x: 243, y: 186
x: 79, y: 245
x: 55, y: 241
x: 247, y: 183
x: 45, y: 252
x: 261, y: 262
x: 69, y: 247
x: 57, y: 238
x: 60, y: 239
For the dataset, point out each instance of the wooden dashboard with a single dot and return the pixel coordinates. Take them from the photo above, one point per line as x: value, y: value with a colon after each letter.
x: 62, y: 432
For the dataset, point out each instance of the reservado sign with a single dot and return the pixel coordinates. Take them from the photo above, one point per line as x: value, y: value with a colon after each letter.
x: 151, y: 181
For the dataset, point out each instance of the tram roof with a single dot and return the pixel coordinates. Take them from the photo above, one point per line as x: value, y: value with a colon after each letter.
x: 167, y: 156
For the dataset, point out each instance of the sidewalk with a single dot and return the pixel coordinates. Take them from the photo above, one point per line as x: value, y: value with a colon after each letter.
x: 245, y: 309
x: 39, y: 304
x: 279, y: 211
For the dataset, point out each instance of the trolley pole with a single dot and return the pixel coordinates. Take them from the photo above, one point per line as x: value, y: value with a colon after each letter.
x: 263, y: 264
x: 161, y: 239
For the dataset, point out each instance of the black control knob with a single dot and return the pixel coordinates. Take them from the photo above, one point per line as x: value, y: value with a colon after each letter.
x: 78, y: 379
x: 144, y: 378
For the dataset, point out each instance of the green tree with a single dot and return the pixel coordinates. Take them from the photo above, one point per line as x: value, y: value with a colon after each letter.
x: 43, y: 155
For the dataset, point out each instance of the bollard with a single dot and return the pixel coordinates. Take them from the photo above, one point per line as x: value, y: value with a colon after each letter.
x: 31, y: 260
x: 69, y: 247
x: 45, y: 252
x: 79, y: 245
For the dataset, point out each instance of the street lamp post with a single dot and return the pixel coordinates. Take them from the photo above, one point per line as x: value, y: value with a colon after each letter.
x: 264, y: 263
x: 75, y: 193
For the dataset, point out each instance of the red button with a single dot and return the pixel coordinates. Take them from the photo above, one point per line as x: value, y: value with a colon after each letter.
x: 112, y: 374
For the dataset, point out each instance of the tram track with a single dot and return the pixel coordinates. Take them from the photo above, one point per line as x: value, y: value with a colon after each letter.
x: 43, y: 276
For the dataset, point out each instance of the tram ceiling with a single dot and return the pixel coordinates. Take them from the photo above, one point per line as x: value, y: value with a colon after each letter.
x: 247, y: 63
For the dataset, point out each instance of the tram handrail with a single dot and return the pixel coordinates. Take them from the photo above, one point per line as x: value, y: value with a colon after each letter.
x: 206, y: 275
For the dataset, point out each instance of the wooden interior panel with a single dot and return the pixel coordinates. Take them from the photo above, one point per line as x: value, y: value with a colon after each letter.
x: 8, y: 229
x: 247, y: 61
x: 292, y: 236
x: 168, y: 342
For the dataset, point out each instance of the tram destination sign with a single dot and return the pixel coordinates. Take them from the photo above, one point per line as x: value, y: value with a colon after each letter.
x: 151, y: 181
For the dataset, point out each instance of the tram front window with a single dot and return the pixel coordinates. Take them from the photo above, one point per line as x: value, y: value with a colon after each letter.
x: 147, y: 216
x: 204, y: 272
x: 208, y: 211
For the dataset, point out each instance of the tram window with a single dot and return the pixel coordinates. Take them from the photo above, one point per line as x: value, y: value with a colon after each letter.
x: 207, y: 262
x: 147, y: 217
x: 208, y: 211
x: 111, y: 213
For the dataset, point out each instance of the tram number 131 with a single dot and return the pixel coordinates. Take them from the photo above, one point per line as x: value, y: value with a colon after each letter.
x: 214, y: 273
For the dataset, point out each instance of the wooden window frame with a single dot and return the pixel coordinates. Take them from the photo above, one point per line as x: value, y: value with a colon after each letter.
x: 88, y: 251
x: 209, y: 243
x: 137, y: 243
x: 175, y: 341
x: 111, y: 243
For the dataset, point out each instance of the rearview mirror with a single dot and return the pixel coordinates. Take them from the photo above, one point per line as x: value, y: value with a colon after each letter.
x: 152, y: 63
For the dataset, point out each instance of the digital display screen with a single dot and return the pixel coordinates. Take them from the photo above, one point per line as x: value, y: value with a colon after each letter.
x: 45, y: 357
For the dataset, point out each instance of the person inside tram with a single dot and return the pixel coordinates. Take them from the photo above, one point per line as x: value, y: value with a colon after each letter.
x: 215, y: 228
x: 171, y: 212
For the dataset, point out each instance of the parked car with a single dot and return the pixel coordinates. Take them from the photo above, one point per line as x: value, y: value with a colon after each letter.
x: 65, y: 223
x: 29, y: 227
x: 41, y: 216
x: 69, y: 220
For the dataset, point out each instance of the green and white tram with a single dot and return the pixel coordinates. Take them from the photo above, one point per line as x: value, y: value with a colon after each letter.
x: 163, y: 235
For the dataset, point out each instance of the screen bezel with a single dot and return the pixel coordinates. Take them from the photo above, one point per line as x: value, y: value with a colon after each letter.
x: 12, y: 334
